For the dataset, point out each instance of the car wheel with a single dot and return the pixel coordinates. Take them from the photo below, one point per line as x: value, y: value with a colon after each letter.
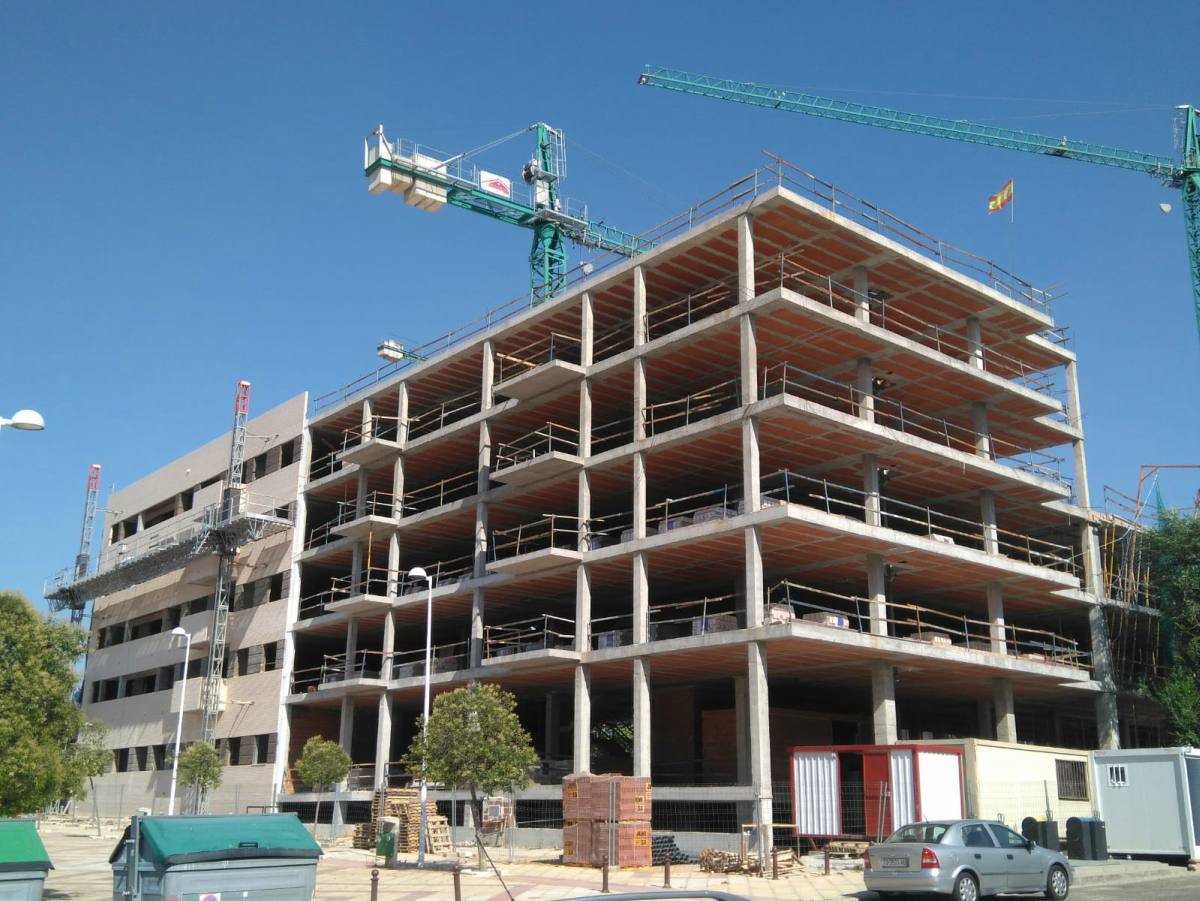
x: 1057, y: 884
x: 965, y: 888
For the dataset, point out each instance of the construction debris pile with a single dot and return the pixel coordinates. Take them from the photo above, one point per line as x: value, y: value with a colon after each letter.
x: 405, y: 805
x: 606, y: 817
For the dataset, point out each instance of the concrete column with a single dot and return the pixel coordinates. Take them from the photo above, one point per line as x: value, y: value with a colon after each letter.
x: 402, y: 414
x: 758, y: 711
x: 393, y: 564
x: 858, y: 276
x: 741, y: 719
x: 987, y: 517
x: 641, y: 600
x: 872, y: 502
x: 639, y: 363
x: 583, y: 608
x: 883, y: 703
x: 641, y: 716
x: 983, y: 435
x: 587, y: 329
x: 488, y: 379
x: 877, y: 593
x: 639, y: 496
x: 581, y: 756
x: 640, y: 331
x: 745, y: 250
x: 1004, y: 714
x: 346, y: 723
x: 398, y: 488
x: 749, y: 358
x: 755, y: 588
x: 974, y: 342
x: 360, y: 493
x: 864, y: 384
x: 1107, y: 717
x: 476, y: 638
x: 383, y: 740
x: 368, y: 419
x: 351, y: 646
x: 751, y: 466
x: 995, y: 603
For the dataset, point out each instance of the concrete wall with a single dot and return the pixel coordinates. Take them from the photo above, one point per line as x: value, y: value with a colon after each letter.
x: 121, y: 794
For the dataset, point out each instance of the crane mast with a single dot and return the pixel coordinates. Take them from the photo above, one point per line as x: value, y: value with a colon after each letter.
x: 231, y: 505
x: 83, y: 558
x: 1182, y: 174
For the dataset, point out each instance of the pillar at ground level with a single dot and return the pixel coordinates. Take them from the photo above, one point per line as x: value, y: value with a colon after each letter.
x: 1004, y: 712
x: 883, y: 703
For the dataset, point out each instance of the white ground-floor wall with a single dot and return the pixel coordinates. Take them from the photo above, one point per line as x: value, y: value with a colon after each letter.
x: 125, y: 794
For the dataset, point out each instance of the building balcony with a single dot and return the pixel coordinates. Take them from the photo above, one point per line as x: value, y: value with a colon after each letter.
x: 373, y: 517
x: 540, y: 366
x: 526, y: 641
x: 548, y: 451
x: 444, y: 658
x: 546, y: 543
x: 372, y: 443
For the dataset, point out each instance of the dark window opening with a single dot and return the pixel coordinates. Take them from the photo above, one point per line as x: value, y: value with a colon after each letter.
x: 142, y: 755
x: 269, y: 652
x: 287, y: 454
x: 235, y: 751
x: 187, y: 499
x: 160, y: 757
x: 275, y: 590
x: 261, y: 748
x: 243, y: 662
x: 122, y: 760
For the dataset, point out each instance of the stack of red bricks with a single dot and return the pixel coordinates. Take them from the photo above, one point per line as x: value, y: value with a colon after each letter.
x: 606, y: 815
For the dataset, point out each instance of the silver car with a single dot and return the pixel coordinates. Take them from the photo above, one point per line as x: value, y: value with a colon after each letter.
x: 966, y: 859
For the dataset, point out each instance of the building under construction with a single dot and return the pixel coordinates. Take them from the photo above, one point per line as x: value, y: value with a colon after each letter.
x: 784, y: 477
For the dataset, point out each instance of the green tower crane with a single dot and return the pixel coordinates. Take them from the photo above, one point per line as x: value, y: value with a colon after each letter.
x: 1183, y: 173
x: 430, y: 180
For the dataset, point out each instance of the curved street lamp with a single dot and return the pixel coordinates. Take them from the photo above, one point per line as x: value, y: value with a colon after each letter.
x: 25, y: 420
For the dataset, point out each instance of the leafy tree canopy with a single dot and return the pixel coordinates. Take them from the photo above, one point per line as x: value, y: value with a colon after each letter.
x: 1173, y: 553
x: 38, y: 720
x: 322, y: 762
x: 200, y: 766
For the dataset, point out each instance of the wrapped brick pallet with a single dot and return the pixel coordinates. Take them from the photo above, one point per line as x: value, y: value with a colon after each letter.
x: 609, y: 815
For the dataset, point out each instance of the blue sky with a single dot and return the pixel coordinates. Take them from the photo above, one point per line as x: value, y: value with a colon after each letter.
x: 183, y: 203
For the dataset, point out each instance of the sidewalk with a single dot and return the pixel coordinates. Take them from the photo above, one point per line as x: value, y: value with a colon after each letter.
x: 82, y: 873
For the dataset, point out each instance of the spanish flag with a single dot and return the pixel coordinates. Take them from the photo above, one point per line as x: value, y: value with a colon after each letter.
x: 1001, y: 198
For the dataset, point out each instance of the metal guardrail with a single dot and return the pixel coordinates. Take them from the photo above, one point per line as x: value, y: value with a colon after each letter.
x: 545, y: 439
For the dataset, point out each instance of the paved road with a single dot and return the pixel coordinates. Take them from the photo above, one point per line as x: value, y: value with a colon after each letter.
x: 1172, y: 889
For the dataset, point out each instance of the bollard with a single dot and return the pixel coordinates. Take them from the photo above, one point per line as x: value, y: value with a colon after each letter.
x: 667, y: 870
x: 457, y: 883
x: 774, y: 863
x: 604, y: 874
x: 374, y: 885
x: 827, y: 860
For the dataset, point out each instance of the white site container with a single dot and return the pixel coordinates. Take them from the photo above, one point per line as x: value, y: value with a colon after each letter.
x: 1149, y: 800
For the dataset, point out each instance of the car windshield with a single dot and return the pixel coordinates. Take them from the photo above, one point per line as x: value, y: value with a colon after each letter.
x: 928, y: 833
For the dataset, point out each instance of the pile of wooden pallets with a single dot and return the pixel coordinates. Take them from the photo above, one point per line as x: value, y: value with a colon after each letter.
x: 606, y: 816
x: 405, y: 805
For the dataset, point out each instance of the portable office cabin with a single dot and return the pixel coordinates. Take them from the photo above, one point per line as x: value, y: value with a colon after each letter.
x: 267, y: 857
x: 869, y: 790
x: 1149, y: 799
x: 23, y: 861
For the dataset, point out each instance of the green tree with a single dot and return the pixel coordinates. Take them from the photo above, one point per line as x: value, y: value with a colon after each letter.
x: 322, y: 763
x: 86, y: 758
x: 1172, y: 550
x: 200, y: 767
x: 38, y: 719
x: 473, y: 739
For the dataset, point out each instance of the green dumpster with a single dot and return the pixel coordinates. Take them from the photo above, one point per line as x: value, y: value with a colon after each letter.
x: 256, y: 857
x: 23, y: 861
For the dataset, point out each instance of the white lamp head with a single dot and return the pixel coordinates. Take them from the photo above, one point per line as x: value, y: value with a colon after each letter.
x: 418, y: 572
x: 28, y: 421
x: 180, y: 631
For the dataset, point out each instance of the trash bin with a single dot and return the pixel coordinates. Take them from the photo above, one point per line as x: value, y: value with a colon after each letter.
x: 1086, y: 839
x: 23, y: 861
x: 252, y: 858
x: 1044, y: 832
x: 385, y: 839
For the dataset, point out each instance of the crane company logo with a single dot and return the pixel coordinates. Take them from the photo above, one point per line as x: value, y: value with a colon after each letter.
x: 495, y: 184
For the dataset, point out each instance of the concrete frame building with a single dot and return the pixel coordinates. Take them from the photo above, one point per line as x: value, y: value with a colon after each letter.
x: 783, y: 479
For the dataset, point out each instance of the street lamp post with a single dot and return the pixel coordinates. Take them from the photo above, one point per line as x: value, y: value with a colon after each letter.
x: 187, y: 652
x: 418, y: 573
x: 25, y: 420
